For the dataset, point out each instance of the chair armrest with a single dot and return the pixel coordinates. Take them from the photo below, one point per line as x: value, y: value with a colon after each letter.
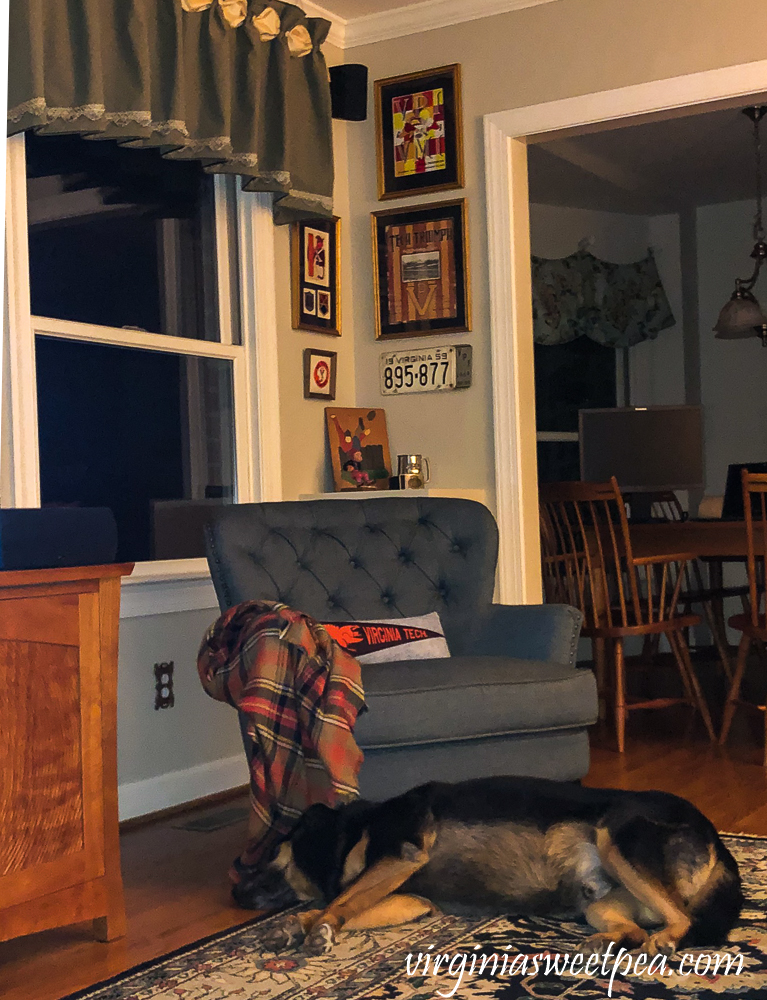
x: 529, y: 632
x: 666, y: 557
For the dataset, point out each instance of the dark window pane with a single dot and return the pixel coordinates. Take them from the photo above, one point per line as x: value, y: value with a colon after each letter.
x: 120, y: 237
x: 558, y: 461
x: 571, y: 377
x: 147, y: 434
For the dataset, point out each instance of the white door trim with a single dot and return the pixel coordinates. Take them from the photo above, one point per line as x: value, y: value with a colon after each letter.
x: 258, y: 312
x: 506, y: 133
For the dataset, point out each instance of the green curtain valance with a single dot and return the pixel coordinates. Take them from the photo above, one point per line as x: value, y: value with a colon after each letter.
x: 617, y: 305
x: 240, y: 85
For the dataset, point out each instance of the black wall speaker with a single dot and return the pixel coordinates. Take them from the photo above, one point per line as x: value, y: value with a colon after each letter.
x: 349, y: 92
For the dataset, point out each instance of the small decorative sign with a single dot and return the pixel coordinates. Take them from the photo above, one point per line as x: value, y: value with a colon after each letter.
x: 432, y: 369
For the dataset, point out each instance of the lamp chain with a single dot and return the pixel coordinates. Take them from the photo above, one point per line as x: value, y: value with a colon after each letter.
x: 758, y: 225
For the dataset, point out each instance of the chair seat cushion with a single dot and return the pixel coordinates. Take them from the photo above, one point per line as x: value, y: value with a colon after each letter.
x: 467, y: 697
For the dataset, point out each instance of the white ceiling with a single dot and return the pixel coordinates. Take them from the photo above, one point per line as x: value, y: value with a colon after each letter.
x: 651, y: 168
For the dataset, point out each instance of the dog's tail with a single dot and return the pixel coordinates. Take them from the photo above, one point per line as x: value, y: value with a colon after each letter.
x: 716, y: 906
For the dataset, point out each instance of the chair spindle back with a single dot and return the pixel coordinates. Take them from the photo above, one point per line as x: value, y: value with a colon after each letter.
x: 755, y: 511
x: 587, y: 559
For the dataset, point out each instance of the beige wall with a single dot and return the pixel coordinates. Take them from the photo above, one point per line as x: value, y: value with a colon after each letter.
x: 305, y: 468
x: 534, y: 55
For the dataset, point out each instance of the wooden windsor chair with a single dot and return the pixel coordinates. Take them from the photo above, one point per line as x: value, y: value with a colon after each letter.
x: 710, y: 596
x: 752, y: 624
x: 588, y: 561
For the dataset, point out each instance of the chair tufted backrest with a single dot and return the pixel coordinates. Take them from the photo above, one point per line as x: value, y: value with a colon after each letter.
x: 354, y: 559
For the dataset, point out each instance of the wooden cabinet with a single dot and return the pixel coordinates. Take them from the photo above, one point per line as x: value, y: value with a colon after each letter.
x: 59, y: 845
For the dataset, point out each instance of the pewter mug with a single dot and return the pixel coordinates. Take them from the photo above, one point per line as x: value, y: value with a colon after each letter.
x: 413, y: 471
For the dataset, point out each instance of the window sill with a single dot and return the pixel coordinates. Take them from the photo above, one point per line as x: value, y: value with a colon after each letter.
x: 167, y: 586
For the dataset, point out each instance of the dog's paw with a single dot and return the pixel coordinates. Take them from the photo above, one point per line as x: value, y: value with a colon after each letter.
x: 287, y: 934
x: 598, y: 944
x: 662, y: 943
x: 320, y: 940
x: 594, y: 945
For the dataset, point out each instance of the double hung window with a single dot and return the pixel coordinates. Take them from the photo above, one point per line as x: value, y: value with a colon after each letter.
x: 143, y: 391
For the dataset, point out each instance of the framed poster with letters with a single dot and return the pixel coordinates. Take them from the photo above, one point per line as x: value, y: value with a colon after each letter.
x: 421, y: 270
x: 315, y: 293
x: 419, y: 132
x: 319, y: 374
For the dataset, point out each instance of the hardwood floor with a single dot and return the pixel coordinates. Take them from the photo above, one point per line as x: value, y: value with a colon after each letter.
x: 175, y: 880
x: 176, y: 891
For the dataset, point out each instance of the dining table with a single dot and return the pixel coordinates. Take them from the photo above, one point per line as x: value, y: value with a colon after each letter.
x: 715, y: 540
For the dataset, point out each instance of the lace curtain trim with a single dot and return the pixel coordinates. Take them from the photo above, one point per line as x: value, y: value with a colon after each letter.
x: 220, y: 144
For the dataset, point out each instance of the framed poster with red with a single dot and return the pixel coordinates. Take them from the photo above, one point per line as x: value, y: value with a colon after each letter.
x: 315, y: 291
x: 319, y: 374
x: 419, y: 132
x: 421, y: 270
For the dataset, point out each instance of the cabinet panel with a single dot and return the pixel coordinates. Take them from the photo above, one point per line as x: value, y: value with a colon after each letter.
x: 51, y: 819
x: 59, y: 846
x: 41, y: 619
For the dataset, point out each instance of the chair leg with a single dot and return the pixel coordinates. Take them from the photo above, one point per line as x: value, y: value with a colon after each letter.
x: 765, y: 739
x: 620, y: 695
x: 599, y: 652
x: 720, y: 639
x: 685, y: 666
x: 732, y: 697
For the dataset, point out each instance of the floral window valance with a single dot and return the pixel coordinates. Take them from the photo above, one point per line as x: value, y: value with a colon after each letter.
x: 240, y: 85
x: 617, y: 305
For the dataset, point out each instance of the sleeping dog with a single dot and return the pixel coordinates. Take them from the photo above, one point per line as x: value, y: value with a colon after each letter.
x: 628, y: 862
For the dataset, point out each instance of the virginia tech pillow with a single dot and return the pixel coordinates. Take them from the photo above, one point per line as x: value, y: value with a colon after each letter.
x: 380, y: 640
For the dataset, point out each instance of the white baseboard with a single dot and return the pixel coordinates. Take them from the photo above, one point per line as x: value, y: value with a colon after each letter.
x: 137, y: 798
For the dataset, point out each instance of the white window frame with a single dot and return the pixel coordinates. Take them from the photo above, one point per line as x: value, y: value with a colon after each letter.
x: 178, y: 584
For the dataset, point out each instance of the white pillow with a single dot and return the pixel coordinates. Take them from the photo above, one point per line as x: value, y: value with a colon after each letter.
x: 382, y: 639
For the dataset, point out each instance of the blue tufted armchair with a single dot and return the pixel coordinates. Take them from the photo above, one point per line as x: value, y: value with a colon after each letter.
x: 508, y: 701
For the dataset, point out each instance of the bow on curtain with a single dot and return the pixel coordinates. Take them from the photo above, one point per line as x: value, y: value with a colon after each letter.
x: 617, y: 305
x: 241, y: 86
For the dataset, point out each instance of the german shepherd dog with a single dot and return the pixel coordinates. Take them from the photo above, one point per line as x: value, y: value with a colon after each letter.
x: 626, y: 861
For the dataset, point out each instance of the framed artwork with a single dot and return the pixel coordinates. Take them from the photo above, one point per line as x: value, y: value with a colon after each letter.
x: 359, y: 448
x: 316, y: 292
x: 319, y: 374
x: 419, y: 132
x: 421, y: 270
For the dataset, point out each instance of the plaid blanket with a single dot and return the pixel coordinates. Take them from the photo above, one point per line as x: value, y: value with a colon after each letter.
x: 301, y: 694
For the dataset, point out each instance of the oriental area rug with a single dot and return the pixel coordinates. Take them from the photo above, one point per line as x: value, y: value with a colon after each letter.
x: 503, y: 958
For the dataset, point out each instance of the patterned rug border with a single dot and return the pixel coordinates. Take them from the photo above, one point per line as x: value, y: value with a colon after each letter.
x: 167, y: 956
x: 87, y: 991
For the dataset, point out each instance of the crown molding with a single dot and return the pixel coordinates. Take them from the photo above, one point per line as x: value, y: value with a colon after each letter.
x: 338, y: 25
x: 426, y: 16
x: 400, y: 21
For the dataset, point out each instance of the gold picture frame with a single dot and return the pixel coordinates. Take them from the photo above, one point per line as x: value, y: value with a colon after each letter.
x: 315, y: 254
x: 419, y: 132
x: 421, y: 275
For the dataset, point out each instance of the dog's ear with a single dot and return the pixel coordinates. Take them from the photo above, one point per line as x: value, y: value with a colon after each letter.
x: 319, y: 818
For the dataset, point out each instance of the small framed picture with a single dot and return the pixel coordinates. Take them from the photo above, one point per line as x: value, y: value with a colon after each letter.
x: 319, y: 374
x: 421, y: 270
x: 419, y: 132
x: 316, y: 298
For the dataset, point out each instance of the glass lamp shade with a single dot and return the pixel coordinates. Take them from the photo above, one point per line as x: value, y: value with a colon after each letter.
x: 741, y: 317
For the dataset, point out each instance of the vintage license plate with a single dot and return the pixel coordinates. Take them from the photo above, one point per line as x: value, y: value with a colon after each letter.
x: 424, y: 370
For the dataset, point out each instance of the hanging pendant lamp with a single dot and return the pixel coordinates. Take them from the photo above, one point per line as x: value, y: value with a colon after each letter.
x: 742, y: 316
